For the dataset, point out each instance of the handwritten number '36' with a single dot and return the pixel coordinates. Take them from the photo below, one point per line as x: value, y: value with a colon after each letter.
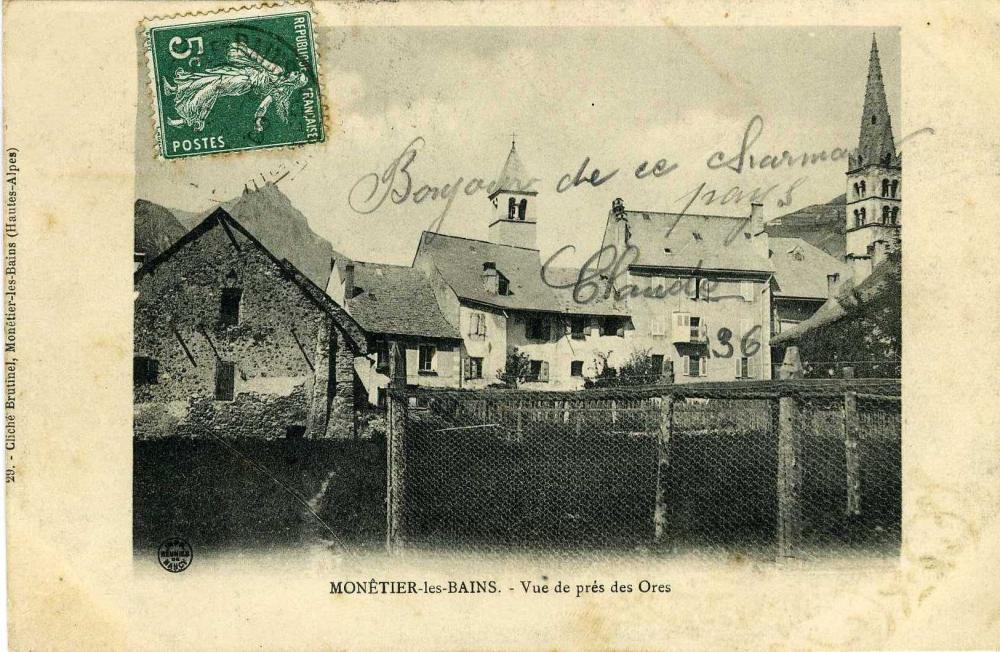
x: 748, y: 343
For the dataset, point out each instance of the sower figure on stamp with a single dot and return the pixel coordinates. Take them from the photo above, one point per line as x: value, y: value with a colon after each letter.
x: 195, y: 93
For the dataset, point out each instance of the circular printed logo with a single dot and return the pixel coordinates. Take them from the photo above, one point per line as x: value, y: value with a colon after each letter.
x: 174, y: 555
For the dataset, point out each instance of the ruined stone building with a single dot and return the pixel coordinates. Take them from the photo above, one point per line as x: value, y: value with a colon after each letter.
x: 231, y: 340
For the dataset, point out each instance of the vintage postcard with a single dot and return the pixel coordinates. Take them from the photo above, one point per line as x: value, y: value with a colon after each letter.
x: 501, y: 325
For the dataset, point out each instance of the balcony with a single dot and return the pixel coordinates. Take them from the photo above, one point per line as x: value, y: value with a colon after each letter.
x: 688, y: 329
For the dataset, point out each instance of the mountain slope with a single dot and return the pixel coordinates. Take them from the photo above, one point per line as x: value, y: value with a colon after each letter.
x: 821, y: 225
x: 156, y: 228
x: 270, y: 216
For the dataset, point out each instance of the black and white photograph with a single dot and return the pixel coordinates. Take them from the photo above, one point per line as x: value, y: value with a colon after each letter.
x: 657, y: 315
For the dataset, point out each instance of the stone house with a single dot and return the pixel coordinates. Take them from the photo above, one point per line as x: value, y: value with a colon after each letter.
x: 496, y: 295
x: 698, y: 289
x: 231, y: 340
x: 396, y: 304
x: 804, y: 278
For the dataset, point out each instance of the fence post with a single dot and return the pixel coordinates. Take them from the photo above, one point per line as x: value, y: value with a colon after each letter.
x: 852, y: 453
x: 789, y: 477
x: 662, y: 466
x: 395, y: 454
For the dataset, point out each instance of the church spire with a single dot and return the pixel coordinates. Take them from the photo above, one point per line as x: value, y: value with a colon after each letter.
x: 875, y: 143
x: 513, y: 176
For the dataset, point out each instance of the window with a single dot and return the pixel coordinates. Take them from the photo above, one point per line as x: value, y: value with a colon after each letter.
x: 380, y: 397
x: 857, y: 190
x: 744, y: 368
x: 885, y: 187
x: 695, y: 365
x: 747, y: 291
x: 538, y: 371
x: 656, y: 362
x: 862, y: 222
x: 862, y: 183
x: 537, y: 328
x: 895, y: 216
x: 428, y: 355
x: 382, y: 355
x: 885, y: 215
x: 511, y: 207
x: 473, y: 368
x: 230, y: 309
x: 145, y: 371
x: 612, y: 326
x: 576, y: 328
x: 698, y: 288
x: 503, y: 285
x: 576, y: 368
x: 477, y: 325
x: 894, y: 189
x: 225, y: 380
x: 695, y: 328
x: 522, y: 209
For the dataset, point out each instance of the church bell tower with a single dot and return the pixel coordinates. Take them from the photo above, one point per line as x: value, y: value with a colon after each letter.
x: 874, y: 181
x: 513, y: 200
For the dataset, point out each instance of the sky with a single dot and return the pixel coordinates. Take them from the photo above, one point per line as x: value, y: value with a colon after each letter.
x: 618, y: 96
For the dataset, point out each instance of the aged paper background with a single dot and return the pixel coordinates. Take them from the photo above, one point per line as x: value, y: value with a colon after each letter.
x: 70, y: 93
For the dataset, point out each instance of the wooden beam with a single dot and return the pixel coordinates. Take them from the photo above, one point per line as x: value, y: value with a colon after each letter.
x: 789, y: 477
x: 395, y: 452
x: 852, y: 453
x: 662, y: 466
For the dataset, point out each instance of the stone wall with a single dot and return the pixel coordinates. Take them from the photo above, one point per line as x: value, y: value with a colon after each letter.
x: 282, y: 347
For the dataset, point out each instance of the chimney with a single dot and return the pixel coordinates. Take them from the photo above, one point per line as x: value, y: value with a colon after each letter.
x: 348, y: 282
x: 491, y: 279
x: 761, y: 243
x: 831, y: 284
x: 618, y: 208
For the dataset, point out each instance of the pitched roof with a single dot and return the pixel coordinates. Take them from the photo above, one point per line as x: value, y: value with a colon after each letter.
x: 513, y: 176
x: 460, y: 263
x: 682, y: 240
x: 875, y: 143
x: 800, y: 269
x: 219, y: 217
x: 397, y: 300
x: 847, y: 301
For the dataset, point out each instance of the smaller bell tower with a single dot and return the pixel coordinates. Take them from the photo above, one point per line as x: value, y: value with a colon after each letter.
x: 514, y: 221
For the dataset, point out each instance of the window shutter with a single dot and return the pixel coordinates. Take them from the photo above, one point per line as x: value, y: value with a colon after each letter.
x: 543, y: 374
x: 703, y: 365
x: 687, y: 365
x: 752, y: 367
x: 482, y: 324
x: 467, y: 368
x: 691, y: 287
x: 704, y: 289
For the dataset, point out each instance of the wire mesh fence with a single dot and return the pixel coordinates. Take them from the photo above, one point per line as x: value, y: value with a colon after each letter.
x: 788, y: 468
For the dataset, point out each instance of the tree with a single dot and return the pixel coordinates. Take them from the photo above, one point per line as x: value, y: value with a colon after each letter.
x: 516, y: 370
x: 638, y: 369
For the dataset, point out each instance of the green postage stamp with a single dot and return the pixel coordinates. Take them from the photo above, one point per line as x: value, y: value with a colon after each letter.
x: 235, y: 83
